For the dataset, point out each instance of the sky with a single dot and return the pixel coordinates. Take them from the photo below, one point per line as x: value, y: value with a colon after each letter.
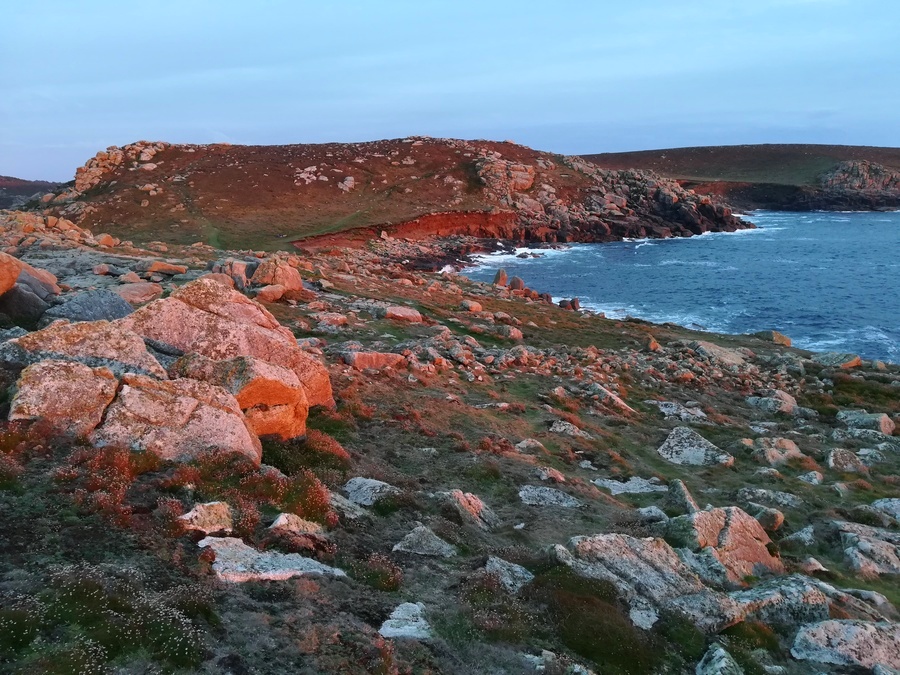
x: 563, y: 76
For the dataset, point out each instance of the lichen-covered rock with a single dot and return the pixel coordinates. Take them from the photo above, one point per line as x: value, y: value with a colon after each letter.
x: 634, y: 485
x: 844, y: 461
x: 775, y: 451
x: 209, y: 518
x: 367, y: 491
x: 737, y: 540
x: 774, y: 401
x: 218, y: 322
x: 96, y: 305
x: 838, y: 360
x: 407, y: 621
x: 888, y: 505
x: 422, y: 541
x: 650, y: 576
x: 512, y: 577
x: 139, y: 293
x: 94, y: 343
x: 175, y: 420
x: 568, y: 429
x: 845, y: 642
x: 68, y: 396
x: 717, y: 661
x: 860, y: 419
x: 272, y: 398
x: 538, y: 495
x: 236, y: 562
x: 870, y: 551
x: 471, y: 509
x: 769, y: 497
x: 686, y: 446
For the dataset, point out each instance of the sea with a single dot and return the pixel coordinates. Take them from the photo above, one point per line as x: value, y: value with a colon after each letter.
x: 829, y: 281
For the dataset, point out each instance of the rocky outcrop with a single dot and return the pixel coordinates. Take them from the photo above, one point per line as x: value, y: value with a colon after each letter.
x: 271, y: 397
x: 95, y: 343
x: 651, y: 577
x: 849, y: 643
x: 732, y: 536
x: 208, y: 318
x: 67, y: 396
x: 870, y: 551
x: 175, y: 420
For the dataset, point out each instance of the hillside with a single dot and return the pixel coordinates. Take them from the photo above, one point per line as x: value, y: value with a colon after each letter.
x: 16, y: 191
x: 332, y: 462
x: 262, y: 196
x: 771, y: 175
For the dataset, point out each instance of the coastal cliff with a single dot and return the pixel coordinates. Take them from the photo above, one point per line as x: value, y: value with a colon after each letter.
x: 778, y: 177
x: 256, y: 196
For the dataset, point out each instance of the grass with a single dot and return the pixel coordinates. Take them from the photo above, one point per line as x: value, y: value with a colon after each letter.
x: 778, y: 164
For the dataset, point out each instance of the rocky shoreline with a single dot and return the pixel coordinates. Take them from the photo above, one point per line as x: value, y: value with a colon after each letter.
x: 336, y: 460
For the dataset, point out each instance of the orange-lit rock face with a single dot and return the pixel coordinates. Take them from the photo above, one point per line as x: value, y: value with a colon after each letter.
x: 92, y: 342
x: 208, y: 318
x: 276, y: 272
x: 9, y: 272
x: 272, y: 398
x: 68, y: 396
x: 176, y: 420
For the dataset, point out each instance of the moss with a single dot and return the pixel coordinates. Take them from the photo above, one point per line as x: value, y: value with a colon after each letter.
x: 587, y: 619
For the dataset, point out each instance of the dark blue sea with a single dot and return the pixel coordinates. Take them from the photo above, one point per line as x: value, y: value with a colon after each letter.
x: 830, y: 281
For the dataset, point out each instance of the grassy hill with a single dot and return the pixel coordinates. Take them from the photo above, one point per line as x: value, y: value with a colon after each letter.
x: 779, y: 164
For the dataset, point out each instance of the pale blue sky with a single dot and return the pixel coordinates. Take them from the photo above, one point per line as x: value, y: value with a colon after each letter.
x: 564, y: 76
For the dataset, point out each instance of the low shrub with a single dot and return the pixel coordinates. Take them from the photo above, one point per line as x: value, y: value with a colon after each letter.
x: 378, y: 571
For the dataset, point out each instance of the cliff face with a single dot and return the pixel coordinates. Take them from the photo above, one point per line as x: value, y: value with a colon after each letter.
x: 256, y: 196
x: 780, y: 177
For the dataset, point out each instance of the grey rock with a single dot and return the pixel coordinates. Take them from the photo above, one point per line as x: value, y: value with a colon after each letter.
x: 422, y: 541
x: 846, y: 642
x: 538, y: 495
x: 679, y: 498
x: 512, y: 577
x: 236, y: 562
x: 889, y: 505
x: 367, y: 491
x: 717, y: 661
x: 21, y: 305
x: 811, y: 477
x: 870, y: 551
x: 774, y: 401
x: 671, y: 410
x: 649, y: 573
x: 860, y: 419
x: 94, y: 305
x: 685, y: 446
x: 769, y: 497
x: 634, y: 485
x: 407, y: 621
